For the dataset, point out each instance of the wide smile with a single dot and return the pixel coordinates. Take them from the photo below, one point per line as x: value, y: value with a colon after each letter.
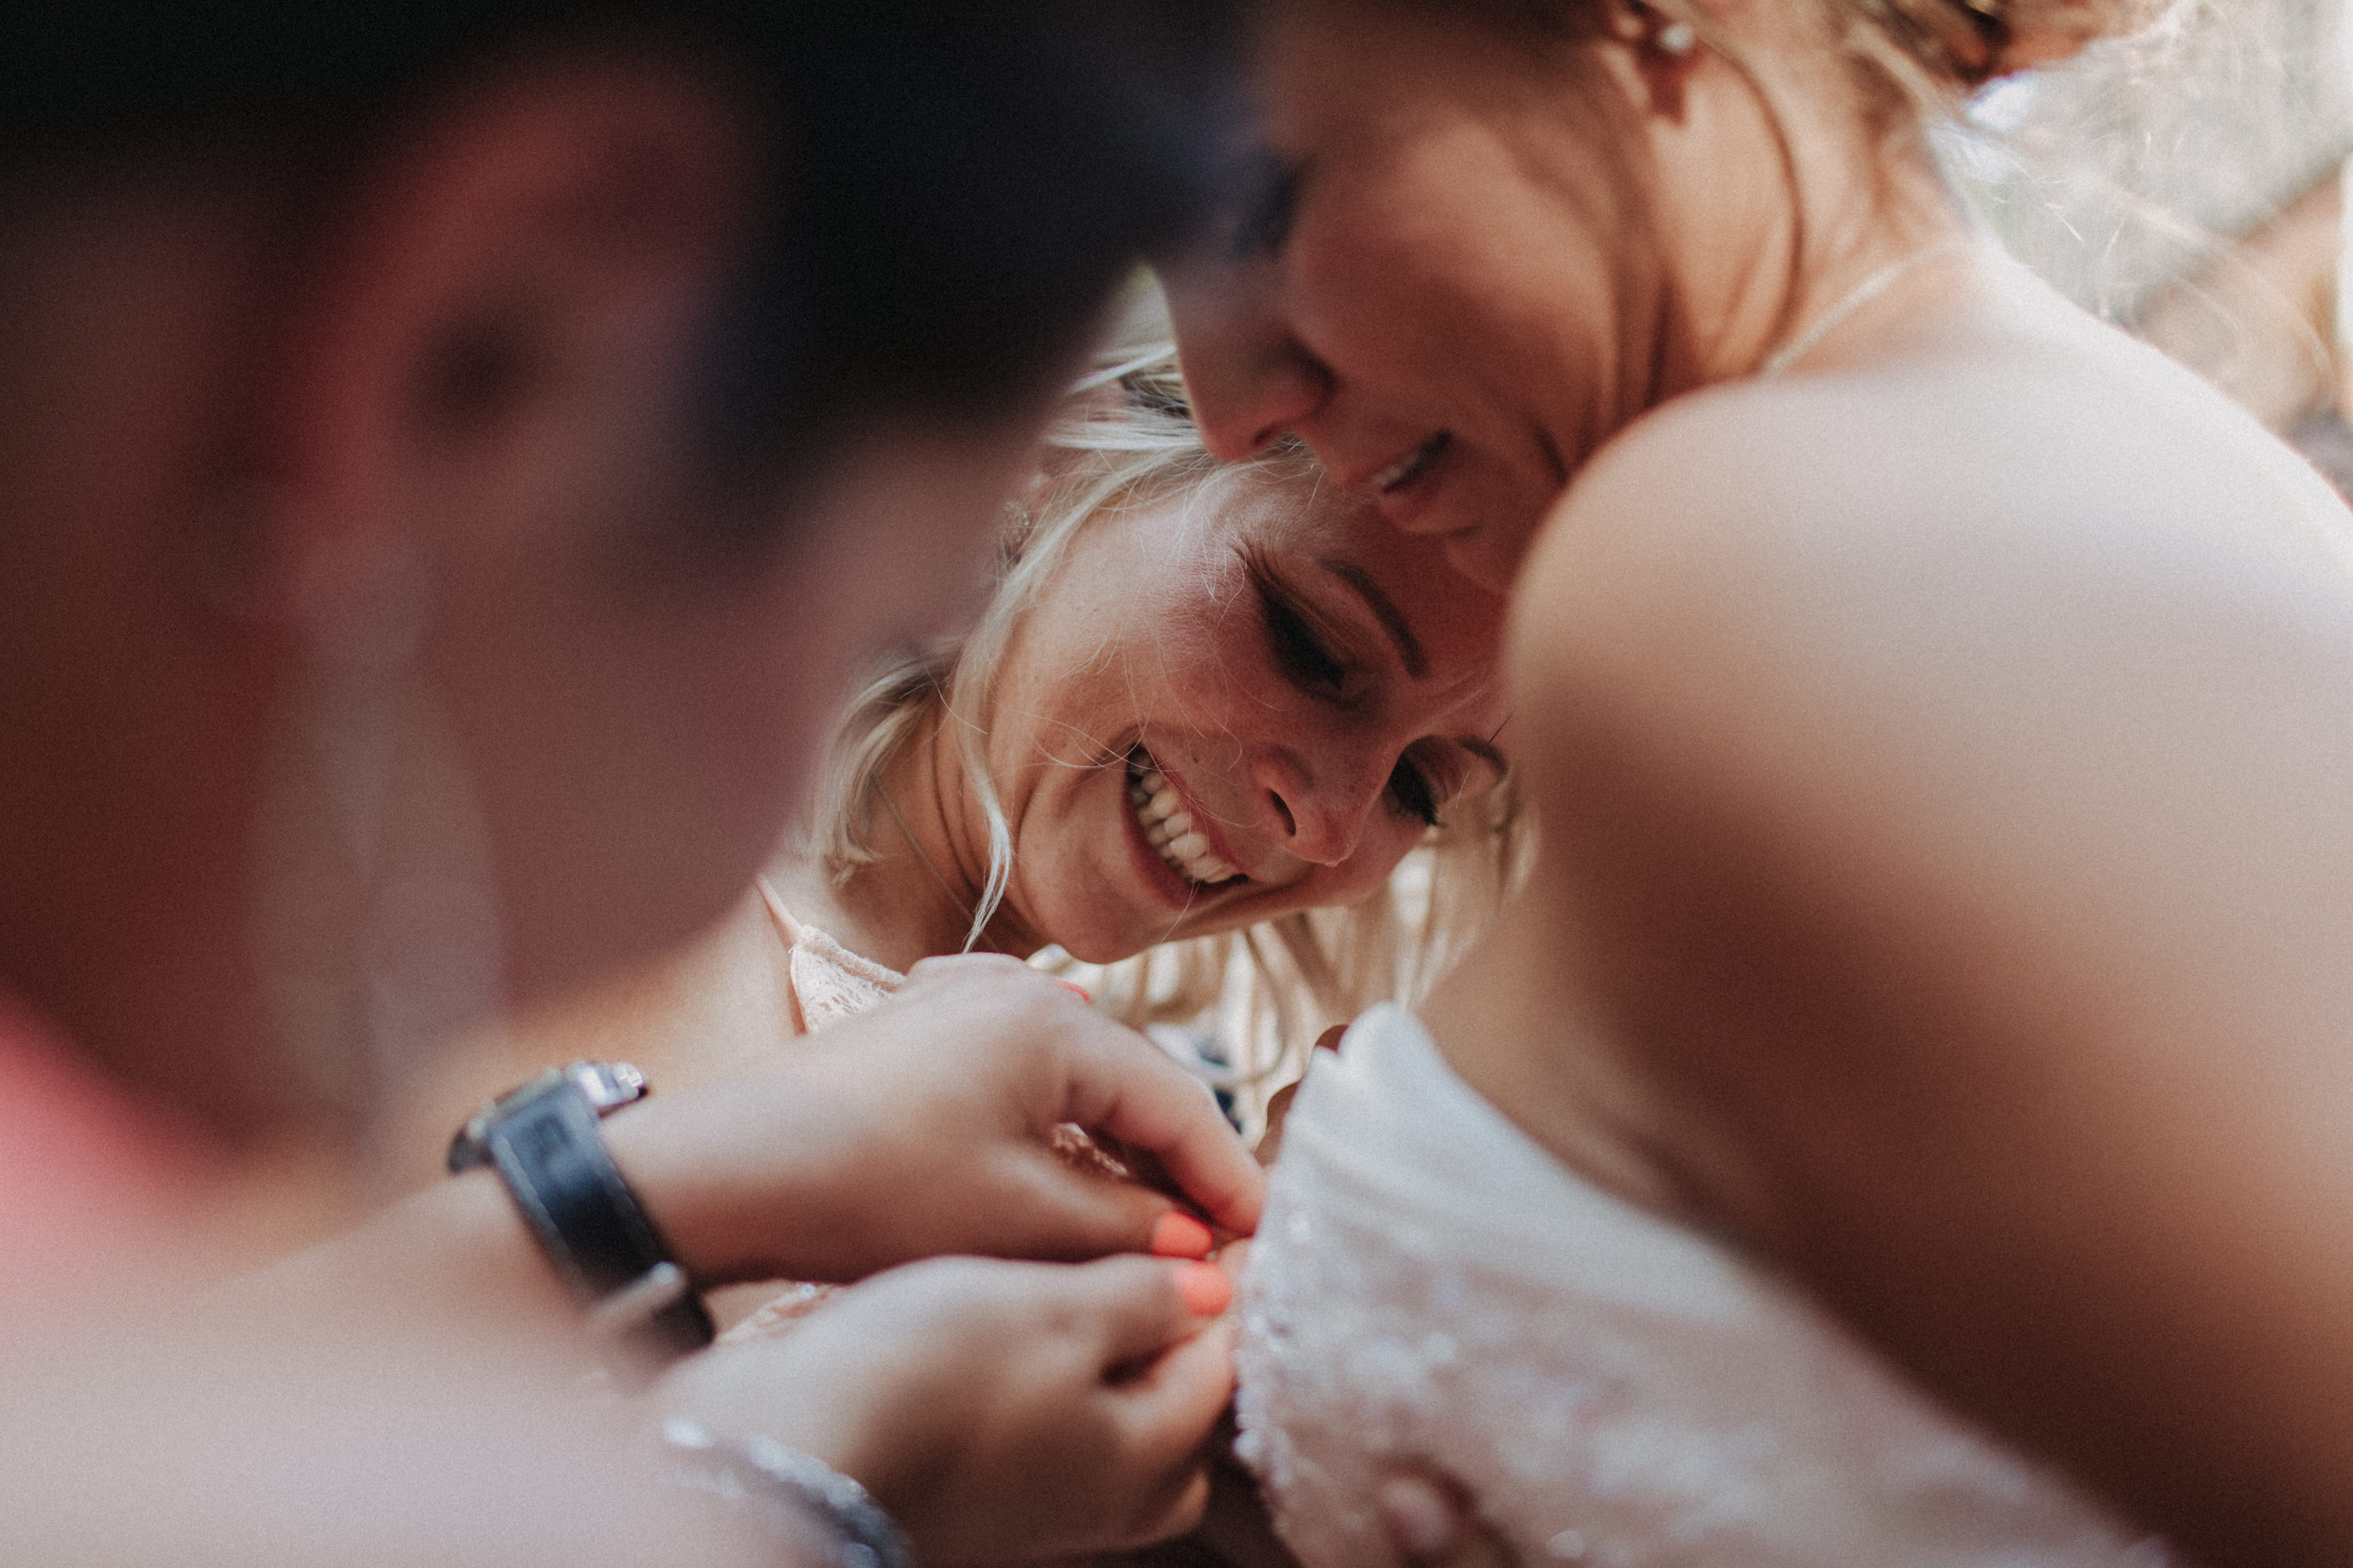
x: 1404, y: 487
x: 1169, y: 830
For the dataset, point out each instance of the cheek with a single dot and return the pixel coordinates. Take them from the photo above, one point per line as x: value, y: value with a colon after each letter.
x: 1491, y: 557
x: 1388, y: 840
x: 1357, y: 293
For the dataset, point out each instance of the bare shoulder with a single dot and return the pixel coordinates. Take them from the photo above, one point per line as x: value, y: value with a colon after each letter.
x: 1983, y: 723
x: 1942, y: 777
x: 1932, y: 531
x: 2046, y: 454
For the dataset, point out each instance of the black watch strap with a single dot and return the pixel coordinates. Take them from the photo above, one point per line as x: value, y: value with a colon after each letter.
x: 545, y: 1144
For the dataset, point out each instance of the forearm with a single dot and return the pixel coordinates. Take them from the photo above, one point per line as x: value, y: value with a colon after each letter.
x: 460, y: 1251
x: 209, y: 1440
x: 456, y: 1254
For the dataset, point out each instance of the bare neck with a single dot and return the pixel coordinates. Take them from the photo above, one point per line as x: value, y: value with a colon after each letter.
x: 916, y: 901
x: 1762, y: 251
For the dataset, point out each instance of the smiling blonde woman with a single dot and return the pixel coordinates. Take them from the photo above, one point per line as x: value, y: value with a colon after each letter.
x: 1218, y: 732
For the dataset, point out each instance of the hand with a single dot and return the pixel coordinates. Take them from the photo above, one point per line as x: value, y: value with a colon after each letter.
x: 999, y: 1411
x: 1278, y: 1107
x: 920, y: 1129
x: 1431, y: 1523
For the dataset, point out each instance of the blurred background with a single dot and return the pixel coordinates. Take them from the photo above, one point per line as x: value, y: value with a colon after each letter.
x: 2189, y: 186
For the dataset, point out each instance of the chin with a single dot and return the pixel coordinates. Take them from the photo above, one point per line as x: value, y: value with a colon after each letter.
x: 1104, y: 935
x: 1488, y: 557
x: 1098, y: 948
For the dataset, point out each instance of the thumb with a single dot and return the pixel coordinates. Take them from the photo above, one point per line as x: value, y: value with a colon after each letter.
x: 1168, y: 1417
x: 1139, y: 1307
x: 1171, y: 1406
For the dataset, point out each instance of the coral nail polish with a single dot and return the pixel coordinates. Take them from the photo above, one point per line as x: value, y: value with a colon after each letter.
x: 1081, y: 990
x: 1177, y: 1234
x: 1205, y: 1289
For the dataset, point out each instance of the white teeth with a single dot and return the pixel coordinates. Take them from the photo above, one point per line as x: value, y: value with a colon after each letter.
x: 1409, y: 465
x: 1168, y: 828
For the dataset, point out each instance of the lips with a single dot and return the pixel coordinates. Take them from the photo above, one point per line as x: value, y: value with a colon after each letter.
x: 1408, y: 468
x: 1168, y: 827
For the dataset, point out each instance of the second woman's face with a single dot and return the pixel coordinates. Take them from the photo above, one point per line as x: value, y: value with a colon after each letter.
x: 1435, y: 285
x: 1238, y: 703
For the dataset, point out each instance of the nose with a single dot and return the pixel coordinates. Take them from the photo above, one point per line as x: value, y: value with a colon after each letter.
x: 1318, y: 814
x: 1249, y: 378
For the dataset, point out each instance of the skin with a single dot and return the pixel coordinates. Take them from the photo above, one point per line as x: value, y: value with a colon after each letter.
x: 1942, y: 888
x: 326, y: 666
x: 547, y: 688
x: 1403, y: 301
x: 1150, y: 635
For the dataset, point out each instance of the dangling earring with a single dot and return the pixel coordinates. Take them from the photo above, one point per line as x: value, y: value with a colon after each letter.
x: 1678, y: 38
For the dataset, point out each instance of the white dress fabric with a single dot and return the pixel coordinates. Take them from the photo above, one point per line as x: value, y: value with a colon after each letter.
x: 1430, y: 1288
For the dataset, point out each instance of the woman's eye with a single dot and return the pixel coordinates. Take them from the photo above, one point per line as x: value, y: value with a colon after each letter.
x: 1305, y: 659
x: 1303, y: 654
x: 1412, y: 796
x: 1265, y: 223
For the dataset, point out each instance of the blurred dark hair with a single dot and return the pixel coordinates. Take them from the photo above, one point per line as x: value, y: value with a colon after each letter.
x: 956, y: 186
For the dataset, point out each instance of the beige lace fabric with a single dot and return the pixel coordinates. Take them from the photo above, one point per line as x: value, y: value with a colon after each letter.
x: 830, y: 982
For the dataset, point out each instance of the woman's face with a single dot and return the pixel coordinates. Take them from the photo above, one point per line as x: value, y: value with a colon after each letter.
x: 1434, y: 286
x: 1309, y: 689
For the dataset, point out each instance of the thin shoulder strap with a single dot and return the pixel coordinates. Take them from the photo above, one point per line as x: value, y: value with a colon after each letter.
x: 783, y: 916
x: 790, y: 930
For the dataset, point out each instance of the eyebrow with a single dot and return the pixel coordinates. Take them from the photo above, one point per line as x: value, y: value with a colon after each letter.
x: 1392, y: 619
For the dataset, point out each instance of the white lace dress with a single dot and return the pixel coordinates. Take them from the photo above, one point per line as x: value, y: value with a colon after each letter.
x: 1429, y: 1287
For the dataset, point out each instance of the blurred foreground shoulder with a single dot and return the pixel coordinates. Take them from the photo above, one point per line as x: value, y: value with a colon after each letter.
x: 1930, y: 527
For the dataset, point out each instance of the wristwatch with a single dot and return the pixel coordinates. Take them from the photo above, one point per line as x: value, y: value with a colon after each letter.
x: 544, y: 1140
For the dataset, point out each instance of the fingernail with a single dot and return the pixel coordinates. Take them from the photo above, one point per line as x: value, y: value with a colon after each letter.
x: 1080, y: 989
x: 1204, y: 1287
x: 1178, y: 1234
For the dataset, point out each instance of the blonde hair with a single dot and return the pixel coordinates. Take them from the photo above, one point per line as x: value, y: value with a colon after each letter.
x: 1127, y: 442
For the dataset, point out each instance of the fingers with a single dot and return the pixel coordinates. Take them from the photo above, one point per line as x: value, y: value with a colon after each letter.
x: 1121, y: 1085
x: 1278, y: 1113
x: 1105, y: 1077
x: 1038, y: 1206
x: 1277, y: 1109
x: 1174, y: 1404
x: 1142, y: 1305
x: 1166, y: 1417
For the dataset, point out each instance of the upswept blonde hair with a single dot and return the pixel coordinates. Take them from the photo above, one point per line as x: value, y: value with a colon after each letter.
x: 1127, y: 442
